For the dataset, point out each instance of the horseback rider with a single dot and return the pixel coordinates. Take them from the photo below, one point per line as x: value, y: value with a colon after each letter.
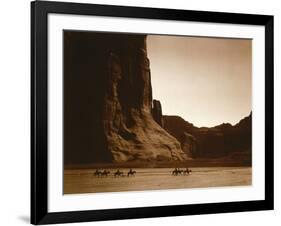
x: 131, y: 172
x: 118, y: 173
x: 97, y: 172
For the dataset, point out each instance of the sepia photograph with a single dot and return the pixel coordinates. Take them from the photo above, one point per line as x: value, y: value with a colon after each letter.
x: 151, y: 112
x: 140, y: 112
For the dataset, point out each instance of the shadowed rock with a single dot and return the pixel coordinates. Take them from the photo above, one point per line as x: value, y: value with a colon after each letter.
x: 131, y: 132
x: 218, y: 141
x: 157, y: 112
x: 108, y: 102
x: 189, y: 144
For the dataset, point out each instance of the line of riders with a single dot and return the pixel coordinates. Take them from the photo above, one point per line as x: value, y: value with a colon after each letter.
x: 178, y: 171
x: 118, y: 173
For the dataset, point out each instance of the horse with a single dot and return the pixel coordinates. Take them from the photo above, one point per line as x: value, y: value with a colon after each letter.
x: 105, y: 173
x: 118, y: 173
x: 97, y: 173
x: 131, y: 172
x: 180, y: 171
x: 177, y: 171
x: 187, y: 171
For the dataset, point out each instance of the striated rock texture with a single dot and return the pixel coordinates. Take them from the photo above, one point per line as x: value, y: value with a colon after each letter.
x: 108, y: 102
x: 130, y: 130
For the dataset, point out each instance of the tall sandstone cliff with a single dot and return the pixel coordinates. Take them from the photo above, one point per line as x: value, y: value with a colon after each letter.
x: 108, y: 102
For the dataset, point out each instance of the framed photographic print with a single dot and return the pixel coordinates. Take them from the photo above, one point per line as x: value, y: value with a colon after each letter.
x: 145, y: 112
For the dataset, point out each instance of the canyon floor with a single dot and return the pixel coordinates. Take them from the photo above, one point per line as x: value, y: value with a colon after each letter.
x: 84, y: 181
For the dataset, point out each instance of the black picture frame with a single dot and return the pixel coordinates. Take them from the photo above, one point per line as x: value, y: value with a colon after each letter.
x: 39, y: 112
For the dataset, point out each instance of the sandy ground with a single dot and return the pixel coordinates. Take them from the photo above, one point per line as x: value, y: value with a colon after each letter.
x: 83, y: 180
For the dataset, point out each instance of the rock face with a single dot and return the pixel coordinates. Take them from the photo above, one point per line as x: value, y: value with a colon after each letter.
x: 108, y: 96
x: 189, y: 144
x: 184, y: 132
x: 219, y: 141
x: 157, y: 112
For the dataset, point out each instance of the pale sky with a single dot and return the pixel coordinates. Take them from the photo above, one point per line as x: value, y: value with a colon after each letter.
x: 206, y: 81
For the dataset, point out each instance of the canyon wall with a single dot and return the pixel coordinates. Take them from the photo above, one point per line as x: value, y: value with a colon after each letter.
x: 108, y: 115
x: 218, y: 141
